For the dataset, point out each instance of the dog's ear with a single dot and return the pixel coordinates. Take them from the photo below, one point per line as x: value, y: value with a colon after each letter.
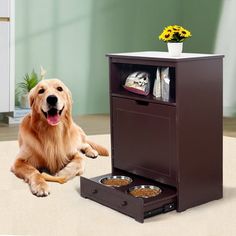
x: 69, y: 97
x: 31, y: 96
x: 69, y: 104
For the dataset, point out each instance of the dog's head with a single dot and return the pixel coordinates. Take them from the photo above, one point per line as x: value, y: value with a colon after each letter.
x: 51, y: 100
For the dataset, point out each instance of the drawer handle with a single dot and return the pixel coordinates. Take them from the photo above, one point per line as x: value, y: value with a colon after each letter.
x: 124, y: 203
x: 94, y: 191
x: 142, y: 103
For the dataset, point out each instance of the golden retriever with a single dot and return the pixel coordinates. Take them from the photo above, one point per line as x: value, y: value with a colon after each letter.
x: 49, y: 139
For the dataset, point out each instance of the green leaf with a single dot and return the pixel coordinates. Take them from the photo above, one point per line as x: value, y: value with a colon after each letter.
x: 29, y: 82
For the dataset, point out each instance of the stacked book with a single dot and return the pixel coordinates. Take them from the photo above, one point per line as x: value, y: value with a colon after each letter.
x: 16, y: 116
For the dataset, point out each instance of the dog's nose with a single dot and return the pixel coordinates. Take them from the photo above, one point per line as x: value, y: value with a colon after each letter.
x: 52, y: 100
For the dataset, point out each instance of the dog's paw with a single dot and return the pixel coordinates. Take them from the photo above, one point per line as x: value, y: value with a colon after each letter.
x: 91, y: 153
x: 40, y: 189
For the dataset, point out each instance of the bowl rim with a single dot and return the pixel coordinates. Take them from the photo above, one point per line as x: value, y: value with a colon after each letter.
x: 115, y: 177
x: 143, y: 186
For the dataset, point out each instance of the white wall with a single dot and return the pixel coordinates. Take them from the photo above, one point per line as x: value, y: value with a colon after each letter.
x: 226, y: 44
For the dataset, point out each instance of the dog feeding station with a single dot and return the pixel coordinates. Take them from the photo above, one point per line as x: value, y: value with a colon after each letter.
x: 166, y: 153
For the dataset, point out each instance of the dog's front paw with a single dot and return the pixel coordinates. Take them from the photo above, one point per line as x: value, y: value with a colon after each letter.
x: 39, y: 188
x: 92, y: 153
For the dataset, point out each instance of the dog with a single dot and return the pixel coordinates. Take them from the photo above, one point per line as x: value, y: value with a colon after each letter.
x: 49, y: 139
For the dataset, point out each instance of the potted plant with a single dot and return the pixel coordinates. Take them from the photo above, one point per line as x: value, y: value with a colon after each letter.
x: 174, y: 36
x: 23, y: 88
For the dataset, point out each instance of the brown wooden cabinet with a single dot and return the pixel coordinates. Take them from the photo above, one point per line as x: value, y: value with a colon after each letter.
x: 174, y: 144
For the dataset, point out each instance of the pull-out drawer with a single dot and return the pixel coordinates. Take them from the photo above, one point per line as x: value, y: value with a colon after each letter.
x: 143, y: 139
x: 120, y: 199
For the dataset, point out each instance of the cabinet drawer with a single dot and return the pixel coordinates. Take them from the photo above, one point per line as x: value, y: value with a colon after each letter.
x: 143, y: 136
x: 111, y: 198
x: 120, y: 200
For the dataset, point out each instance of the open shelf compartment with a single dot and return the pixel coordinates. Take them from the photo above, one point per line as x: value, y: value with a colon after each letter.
x: 120, y: 72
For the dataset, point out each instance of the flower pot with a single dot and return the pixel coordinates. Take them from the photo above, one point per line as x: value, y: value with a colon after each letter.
x: 175, y: 49
x: 24, y: 101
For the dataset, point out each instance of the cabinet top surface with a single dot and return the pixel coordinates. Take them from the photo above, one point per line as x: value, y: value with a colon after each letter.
x: 153, y: 55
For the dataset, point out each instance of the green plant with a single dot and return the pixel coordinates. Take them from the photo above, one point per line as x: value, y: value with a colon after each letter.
x: 29, y: 82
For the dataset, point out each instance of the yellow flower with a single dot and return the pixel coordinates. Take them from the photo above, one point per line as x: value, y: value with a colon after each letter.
x: 176, y: 28
x: 184, y: 33
x: 169, y: 29
x: 166, y: 35
x: 174, y: 33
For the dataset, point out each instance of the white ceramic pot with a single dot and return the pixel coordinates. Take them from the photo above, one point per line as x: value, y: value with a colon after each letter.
x: 175, y: 49
x: 24, y: 101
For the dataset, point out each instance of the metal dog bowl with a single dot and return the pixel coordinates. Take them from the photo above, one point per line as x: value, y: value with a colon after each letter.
x: 116, y: 181
x: 145, y: 191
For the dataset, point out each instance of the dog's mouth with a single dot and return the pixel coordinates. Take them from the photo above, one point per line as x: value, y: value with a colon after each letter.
x: 53, y: 116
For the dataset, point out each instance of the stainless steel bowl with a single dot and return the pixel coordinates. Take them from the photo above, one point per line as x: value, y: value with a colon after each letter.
x: 115, y: 177
x: 140, y: 187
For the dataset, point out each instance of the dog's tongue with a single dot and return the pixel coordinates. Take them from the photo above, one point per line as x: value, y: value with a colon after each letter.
x: 53, y: 119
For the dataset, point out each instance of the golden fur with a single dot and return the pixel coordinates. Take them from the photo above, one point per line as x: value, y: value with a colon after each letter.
x: 51, y: 141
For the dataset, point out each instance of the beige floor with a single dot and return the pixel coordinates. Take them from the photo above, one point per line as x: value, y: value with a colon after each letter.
x: 64, y: 212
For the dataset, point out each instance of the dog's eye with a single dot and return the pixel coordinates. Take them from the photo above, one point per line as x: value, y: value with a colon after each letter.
x: 60, y: 89
x: 41, y: 91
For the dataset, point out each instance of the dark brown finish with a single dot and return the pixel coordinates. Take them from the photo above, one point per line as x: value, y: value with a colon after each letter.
x: 199, y: 112
x: 152, y: 140
x: 144, y: 139
x: 121, y: 200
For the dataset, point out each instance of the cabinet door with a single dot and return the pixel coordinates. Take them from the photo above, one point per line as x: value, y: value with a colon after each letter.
x: 4, y: 67
x: 4, y: 8
x: 143, y: 137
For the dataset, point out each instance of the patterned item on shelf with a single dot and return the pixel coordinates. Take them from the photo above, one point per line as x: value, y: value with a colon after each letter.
x: 165, y: 84
x: 138, y: 82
